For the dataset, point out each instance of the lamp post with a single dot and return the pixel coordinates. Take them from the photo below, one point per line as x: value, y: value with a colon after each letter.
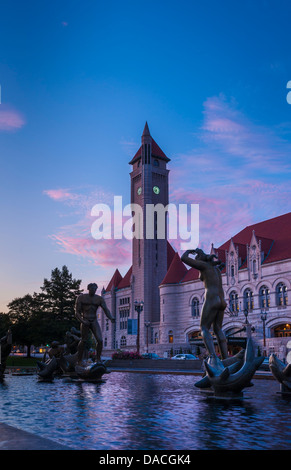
x: 248, y: 327
x: 138, y: 307
x: 264, y: 318
x: 147, y: 324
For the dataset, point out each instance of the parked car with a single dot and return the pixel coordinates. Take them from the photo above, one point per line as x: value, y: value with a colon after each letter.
x: 184, y: 356
x: 150, y: 356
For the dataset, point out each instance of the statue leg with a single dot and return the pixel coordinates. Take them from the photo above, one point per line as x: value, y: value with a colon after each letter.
x: 220, y: 336
x: 84, y: 337
x: 98, y: 337
x: 207, y: 318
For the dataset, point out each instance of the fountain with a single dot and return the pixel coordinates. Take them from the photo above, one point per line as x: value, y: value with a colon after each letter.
x: 225, y: 378
x: 72, y: 358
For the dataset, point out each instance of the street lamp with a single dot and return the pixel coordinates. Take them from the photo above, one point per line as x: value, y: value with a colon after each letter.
x: 147, y: 324
x: 264, y: 318
x: 138, y: 307
x: 248, y: 327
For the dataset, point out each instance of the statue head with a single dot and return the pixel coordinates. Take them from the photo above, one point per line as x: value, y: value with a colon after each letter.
x: 212, y: 259
x: 92, y: 287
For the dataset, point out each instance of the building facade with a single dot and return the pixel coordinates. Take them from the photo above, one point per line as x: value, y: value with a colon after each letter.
x: 256, y: 279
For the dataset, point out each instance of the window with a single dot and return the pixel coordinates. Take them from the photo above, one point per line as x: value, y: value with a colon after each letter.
x: 171, y: 336
x: 233, y: 302
x: 123, y: 317
x: 232, y: 270
x: 123, y: 341
x: 282, y: 331
x: 124, y: 301
x: 281, y: 295
x: 264, y: 297
x: 248, y: 300
x: 156, y: 163
x: 156, y: 338
x: 195, y: 307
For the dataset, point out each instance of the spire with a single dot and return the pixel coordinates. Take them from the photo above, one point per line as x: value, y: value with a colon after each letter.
x: 146, y: 131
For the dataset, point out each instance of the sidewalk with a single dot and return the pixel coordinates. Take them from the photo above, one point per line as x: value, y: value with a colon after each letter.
x: 15, y: 439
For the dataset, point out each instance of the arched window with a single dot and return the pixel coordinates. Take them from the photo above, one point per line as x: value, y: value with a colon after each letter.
x: 233, y: 302
x: 195, y: 307
x: 123, y: 341
x: 281, y: 294
x: 171, y: 336
x: 232, y: 270
x: 248, y: 300
x: 264, y: 297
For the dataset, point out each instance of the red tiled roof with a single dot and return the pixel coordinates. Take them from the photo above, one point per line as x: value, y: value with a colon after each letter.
x: 115, y: 280
x: 125, y: 282
x: 176, y: 271
x: 275, y: 236
x: 192, y: 275
x: 156, y: 152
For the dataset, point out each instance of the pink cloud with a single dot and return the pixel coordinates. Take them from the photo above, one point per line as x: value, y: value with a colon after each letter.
x: 104, y: 253
x: 10, y: 119
x: 76, y: 239
x: 257, y: 146
x: 59, y: 194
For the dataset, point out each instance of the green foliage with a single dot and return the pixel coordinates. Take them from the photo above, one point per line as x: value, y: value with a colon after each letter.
x: 46, y: 316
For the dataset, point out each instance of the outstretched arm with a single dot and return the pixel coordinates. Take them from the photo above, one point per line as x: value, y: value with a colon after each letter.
x: 106, y: 310
x: 194, y: 263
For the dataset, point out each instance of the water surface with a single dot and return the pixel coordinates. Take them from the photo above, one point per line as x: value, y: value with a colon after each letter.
x: 138, y: 411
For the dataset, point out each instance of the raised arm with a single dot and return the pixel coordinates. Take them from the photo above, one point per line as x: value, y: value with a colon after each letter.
x: 193, y: 263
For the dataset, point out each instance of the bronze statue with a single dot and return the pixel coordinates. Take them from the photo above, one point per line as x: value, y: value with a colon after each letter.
x: 214, y: 303
x: 86, y: 313
x: 229, y: 376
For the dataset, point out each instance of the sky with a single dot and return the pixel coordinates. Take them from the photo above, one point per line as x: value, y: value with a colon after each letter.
x: 79, y: 79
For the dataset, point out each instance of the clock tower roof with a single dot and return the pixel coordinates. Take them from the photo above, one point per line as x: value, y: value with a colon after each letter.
x: 156, y: 150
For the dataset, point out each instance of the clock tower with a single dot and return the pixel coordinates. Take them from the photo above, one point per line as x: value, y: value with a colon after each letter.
x: 149, y: 188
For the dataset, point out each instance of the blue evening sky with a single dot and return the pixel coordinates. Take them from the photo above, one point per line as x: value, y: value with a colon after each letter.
x: 78, y: 81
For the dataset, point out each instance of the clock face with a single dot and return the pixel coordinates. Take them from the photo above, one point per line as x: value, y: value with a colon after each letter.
x: 139, y: 190
x: 156, y: 189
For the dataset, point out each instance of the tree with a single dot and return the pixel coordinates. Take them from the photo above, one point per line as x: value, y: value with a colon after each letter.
x: 5, y: 324
x: 22, y: 312
x: 58, y: 298
x: 46, y: 316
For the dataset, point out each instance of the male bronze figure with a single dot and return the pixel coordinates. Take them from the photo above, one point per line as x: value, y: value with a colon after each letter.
x: 86, y: 312
x: 214, y: 303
